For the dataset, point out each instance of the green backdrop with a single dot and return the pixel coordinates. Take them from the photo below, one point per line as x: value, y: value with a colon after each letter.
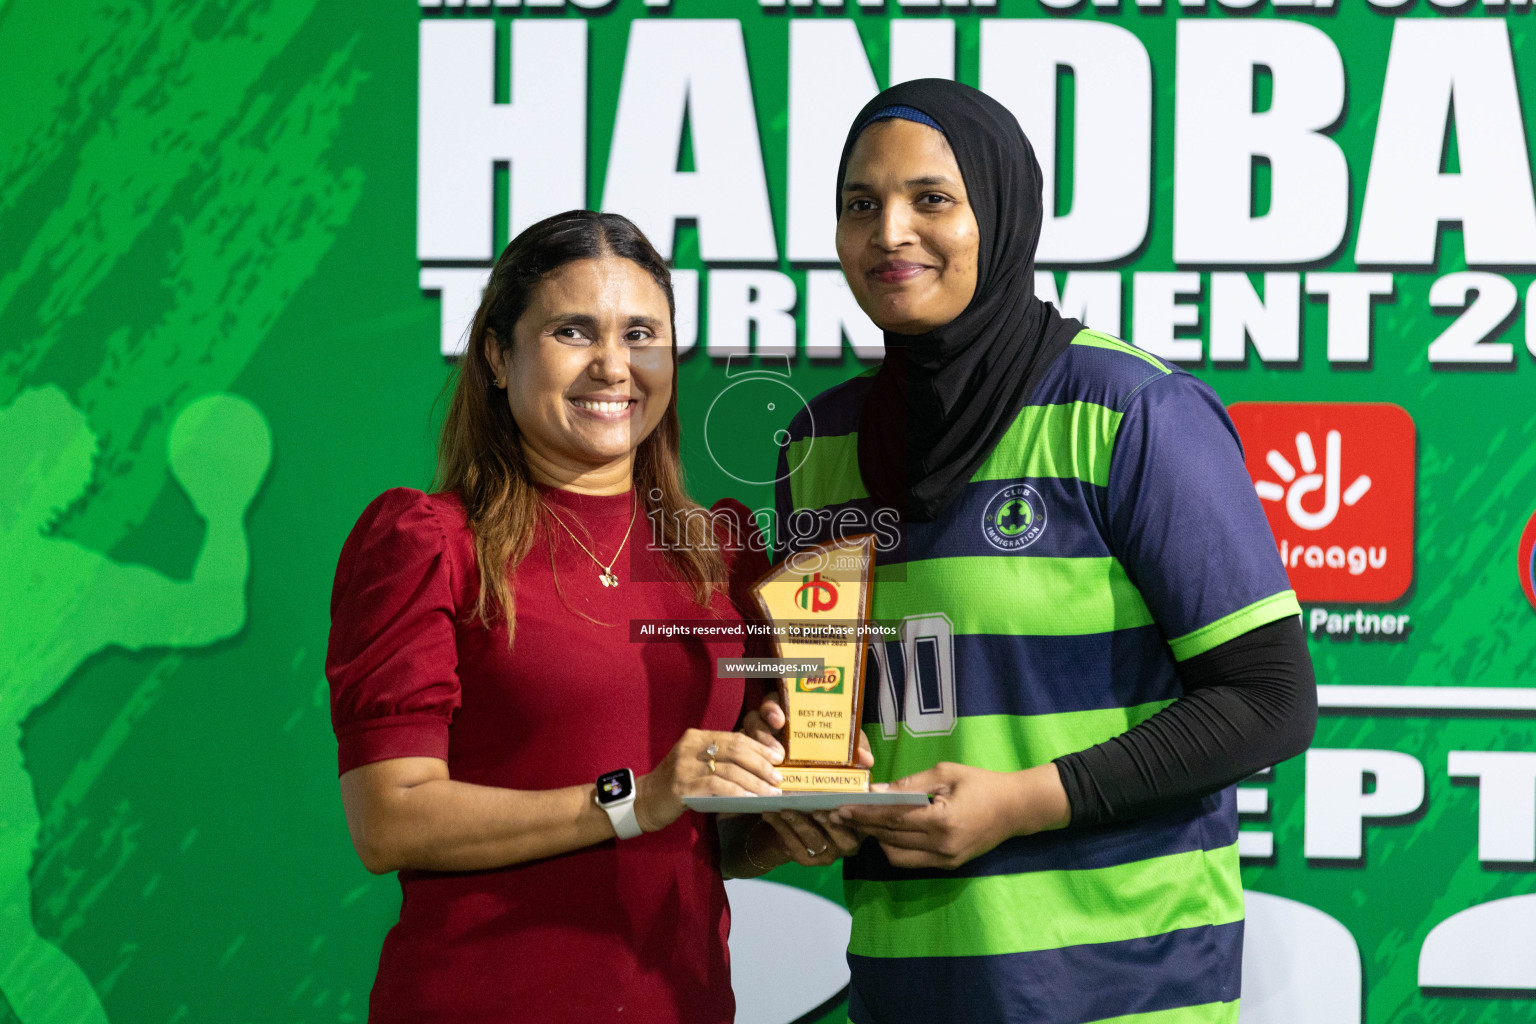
x: 204, y: 198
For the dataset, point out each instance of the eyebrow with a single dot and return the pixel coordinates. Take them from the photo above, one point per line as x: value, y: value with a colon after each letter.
x: 589, y: 321
x: 571, y: 320
x: 931, y: 179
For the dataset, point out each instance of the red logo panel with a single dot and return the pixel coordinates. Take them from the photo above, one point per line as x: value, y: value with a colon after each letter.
x: 1527, y: 557
x: 1337, y: 483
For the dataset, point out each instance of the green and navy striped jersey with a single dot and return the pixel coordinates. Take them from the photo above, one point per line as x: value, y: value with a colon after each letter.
x: 1112, y: 533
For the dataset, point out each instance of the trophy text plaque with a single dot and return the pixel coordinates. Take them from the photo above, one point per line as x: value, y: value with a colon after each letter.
x: 817, y: 600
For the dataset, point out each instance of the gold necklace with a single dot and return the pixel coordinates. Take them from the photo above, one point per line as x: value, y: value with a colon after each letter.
x: 607, y: 576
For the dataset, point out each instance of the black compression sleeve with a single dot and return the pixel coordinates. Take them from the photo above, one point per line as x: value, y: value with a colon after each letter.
x: 1248, y: 704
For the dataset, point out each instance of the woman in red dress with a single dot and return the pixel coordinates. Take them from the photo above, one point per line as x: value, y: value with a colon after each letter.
x: 506, y: 743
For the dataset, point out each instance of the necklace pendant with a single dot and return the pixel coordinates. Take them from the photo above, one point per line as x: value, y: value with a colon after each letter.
x: 609, y: 579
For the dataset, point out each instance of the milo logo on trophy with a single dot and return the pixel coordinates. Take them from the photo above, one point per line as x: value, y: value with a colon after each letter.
x: 830, y: 681
x: 819, y: 599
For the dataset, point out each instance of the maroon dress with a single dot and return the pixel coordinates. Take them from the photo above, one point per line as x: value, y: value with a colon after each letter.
x: 629, y: 930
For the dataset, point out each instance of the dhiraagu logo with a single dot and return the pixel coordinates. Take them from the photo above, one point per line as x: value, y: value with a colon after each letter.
x: 1337, y: 482
x: 829, y: 681
x: 1014, y: 518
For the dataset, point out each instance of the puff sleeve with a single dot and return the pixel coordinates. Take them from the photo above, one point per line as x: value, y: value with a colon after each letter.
x: 392, y: 661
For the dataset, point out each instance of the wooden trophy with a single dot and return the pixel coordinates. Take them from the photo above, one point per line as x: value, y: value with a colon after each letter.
x: 818, y: 601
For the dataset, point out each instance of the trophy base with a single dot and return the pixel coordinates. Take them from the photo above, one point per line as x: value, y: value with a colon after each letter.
x: 800, y: 802
x: 824, y: 780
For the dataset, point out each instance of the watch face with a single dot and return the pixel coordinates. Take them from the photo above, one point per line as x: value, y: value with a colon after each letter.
x: 615, y: 786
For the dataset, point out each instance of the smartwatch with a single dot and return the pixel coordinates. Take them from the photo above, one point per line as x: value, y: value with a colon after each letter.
x: 616, y: 796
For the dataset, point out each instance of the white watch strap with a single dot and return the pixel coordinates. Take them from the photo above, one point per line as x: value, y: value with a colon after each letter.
x: 622, y: 815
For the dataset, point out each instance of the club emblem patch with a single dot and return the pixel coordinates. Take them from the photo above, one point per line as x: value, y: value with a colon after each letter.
x: 1014, y: 518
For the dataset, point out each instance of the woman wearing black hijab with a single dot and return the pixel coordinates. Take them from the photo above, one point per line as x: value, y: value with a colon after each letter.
x: 1097, y: 638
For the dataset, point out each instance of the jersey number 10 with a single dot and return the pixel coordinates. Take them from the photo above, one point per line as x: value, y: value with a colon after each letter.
x: 916, y: 677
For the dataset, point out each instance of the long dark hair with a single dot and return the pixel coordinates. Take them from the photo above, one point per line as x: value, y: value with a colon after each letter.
x: 480, y: 455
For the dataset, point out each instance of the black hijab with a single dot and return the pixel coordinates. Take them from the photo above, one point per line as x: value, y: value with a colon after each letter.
x: 943, y: 400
